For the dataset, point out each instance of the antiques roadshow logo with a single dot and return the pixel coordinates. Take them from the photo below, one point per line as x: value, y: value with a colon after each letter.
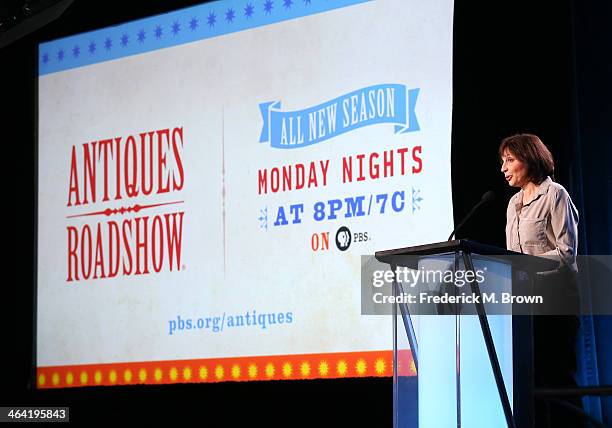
x: 116, y: 236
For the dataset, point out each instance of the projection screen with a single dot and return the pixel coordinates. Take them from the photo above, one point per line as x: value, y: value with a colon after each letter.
x: 209, y: 178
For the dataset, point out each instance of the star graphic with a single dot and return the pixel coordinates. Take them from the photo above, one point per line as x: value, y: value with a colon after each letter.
x: 176, y: 28
x: 306, y: 1
x: 108, y: 43
x: 263, y: 218
x: 141, y: 36
x: 416, y: 199
x: 287, y: 4
x: 45, y: 58
x: 76, y: 51
x: 158, y: 32
x: 249, y: 10
x: 212, y: 19
x: 193, y: 24
x: 125, y: 39
x: 268, y: 6
x: 92, y: 48
x: 60, y: 55
x: 230, y: 15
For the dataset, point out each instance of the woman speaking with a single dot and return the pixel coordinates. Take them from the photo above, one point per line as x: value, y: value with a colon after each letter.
x: 542, y: 220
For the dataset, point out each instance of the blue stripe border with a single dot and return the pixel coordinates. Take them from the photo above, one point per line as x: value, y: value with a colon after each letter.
x: 174, y: 28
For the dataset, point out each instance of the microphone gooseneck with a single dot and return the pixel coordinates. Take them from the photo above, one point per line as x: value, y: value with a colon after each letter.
x: 486, y: 198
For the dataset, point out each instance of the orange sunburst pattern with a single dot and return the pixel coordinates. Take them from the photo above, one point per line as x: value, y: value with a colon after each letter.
x: 274, y: 367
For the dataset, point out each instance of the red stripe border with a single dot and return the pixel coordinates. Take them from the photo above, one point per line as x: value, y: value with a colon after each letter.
x: 273, y: 367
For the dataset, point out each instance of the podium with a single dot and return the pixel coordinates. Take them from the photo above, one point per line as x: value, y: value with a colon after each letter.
x: 473, y: 360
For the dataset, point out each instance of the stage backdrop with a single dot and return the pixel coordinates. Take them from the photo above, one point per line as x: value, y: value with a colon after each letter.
x: 208, y: 179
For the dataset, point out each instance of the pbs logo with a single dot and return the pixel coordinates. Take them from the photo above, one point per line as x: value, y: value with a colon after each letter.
x: 343, y: 238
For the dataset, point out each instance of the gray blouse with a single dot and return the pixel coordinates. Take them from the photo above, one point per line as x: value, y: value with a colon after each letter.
x: 545, y: 226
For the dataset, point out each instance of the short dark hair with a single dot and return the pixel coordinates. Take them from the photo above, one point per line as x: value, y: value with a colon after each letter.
x: 529, y: 149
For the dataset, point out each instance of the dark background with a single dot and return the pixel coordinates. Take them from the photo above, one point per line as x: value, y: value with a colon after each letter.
x: 520, y: 66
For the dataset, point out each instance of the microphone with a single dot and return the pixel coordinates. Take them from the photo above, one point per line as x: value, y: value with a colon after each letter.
x: 486, y: 198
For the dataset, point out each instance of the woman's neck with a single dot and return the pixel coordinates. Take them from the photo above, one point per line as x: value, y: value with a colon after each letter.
x: 529, y: 190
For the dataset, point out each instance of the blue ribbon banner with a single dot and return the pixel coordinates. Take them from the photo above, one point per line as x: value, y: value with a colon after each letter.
x: 386, y: 103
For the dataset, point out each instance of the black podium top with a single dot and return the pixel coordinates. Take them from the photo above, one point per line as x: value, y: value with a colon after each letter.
x: 518, y: 260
